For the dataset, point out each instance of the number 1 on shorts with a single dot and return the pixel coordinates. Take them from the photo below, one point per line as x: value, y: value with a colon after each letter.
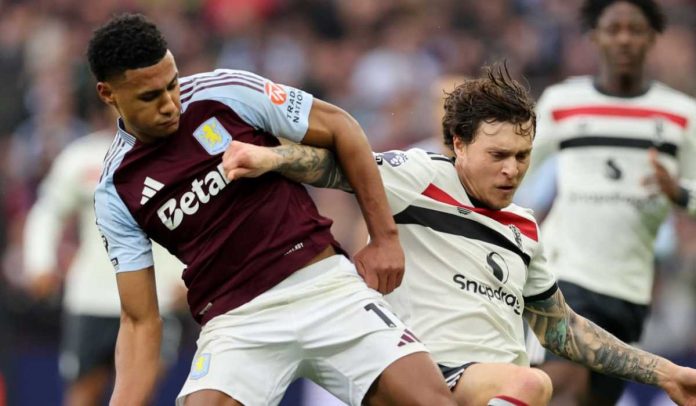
x: 380, y: 313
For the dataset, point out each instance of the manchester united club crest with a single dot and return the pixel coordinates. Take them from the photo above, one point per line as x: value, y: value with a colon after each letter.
x: 517, y: 234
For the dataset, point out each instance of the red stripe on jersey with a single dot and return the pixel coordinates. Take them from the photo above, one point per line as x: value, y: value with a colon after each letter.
x: 618, y: 111
x: 526, y: 226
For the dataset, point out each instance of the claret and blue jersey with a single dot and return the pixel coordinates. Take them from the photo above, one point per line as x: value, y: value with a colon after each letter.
x: 238, y: 239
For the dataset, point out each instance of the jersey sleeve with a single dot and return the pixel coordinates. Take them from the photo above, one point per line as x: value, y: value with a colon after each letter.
x: 278, y: 109
x: 128, y: 247
x: 541, y: 282
x: 58, y: 197
x: 687, y: 165
x: 546, y: 139
x: 405, y: 175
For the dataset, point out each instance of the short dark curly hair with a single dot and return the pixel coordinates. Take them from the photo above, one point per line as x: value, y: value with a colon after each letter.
x: 591, y: 10
x: 127, y: 41
x: 495, y: 97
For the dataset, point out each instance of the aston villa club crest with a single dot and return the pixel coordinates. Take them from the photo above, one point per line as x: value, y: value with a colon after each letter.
x: 200, y: 367
x: 212, y: 136
x: 518, y: 235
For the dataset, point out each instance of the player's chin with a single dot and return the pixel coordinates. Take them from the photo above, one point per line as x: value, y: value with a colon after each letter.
x: 502, y: 199
x: 164, y: 133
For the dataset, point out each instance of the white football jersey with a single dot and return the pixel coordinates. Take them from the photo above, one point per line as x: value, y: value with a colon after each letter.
x: 469, y: 270
x: 68, y: 189
x: 604, y: 220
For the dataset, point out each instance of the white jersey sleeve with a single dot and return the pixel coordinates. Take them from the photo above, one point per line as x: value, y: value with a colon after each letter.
x: 546, y: 139
x: 541, y: 282
x: 278, y: 109
x: 687, y: 164
x: 58, y: 197
x: 405, y: 174
x: 128, y: 246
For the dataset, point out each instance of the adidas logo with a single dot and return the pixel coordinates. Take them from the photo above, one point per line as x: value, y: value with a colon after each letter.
x: 407, y: 337
x: 151, y: 187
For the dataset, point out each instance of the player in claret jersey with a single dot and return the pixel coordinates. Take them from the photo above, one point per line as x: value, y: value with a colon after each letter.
x: 276, y: 296
x: 626, y: 150
x: 475, y: 266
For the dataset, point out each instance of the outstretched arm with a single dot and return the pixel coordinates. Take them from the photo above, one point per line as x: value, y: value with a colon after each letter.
x: 571, y: 336
x: 301, y: 163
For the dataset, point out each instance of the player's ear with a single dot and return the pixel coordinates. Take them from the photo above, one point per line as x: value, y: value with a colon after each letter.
x: 458, y: 145
x: 106, y: 94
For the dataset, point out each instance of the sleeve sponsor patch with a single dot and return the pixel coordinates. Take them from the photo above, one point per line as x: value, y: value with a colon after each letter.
x: 393, y: 158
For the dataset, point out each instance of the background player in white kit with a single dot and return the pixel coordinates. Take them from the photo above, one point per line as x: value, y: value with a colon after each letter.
x: 626, y: 150
x: 474, y: 263
x: 91, y: 309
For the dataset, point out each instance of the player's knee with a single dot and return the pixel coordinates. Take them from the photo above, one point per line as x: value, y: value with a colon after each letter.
x: 535, y: 385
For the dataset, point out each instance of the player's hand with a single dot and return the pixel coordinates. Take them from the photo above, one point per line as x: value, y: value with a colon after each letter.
x: 680, y: 385
x: 667, y: 184
x: 242, y: 160
x: 381, y: 264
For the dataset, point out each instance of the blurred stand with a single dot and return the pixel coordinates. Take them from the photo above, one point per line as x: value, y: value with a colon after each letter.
x: 376, y: 59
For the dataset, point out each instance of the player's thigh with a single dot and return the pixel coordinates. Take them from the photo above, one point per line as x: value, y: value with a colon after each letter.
x: 209, y: 397
x: 481, y: 382
x: 351, y: 337
x: 249, y: 354
x: 410, y: 380
x: 252, y: 376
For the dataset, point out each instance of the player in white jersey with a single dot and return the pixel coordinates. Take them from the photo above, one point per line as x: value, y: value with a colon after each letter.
x: 625, y: 148
x: 90, y: 299
x: 474, y: 265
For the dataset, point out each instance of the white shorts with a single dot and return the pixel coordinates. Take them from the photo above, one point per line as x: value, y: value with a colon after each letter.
x: 322, y: 323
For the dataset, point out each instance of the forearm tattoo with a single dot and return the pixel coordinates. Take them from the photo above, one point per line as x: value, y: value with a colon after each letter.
x: 571, y: 336
x: 314, y: 166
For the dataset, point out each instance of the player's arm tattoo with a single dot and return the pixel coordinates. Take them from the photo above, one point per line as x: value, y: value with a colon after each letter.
x: 313, y: 166
x: 571, y: 336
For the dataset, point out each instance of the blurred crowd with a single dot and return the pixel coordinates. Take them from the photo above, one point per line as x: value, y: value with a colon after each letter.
x: 377, y: 59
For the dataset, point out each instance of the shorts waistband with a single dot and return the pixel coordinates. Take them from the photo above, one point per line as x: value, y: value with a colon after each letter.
x: 327, y: 265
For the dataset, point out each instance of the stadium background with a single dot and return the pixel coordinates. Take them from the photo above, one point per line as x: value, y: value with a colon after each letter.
x: 377, y: 59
